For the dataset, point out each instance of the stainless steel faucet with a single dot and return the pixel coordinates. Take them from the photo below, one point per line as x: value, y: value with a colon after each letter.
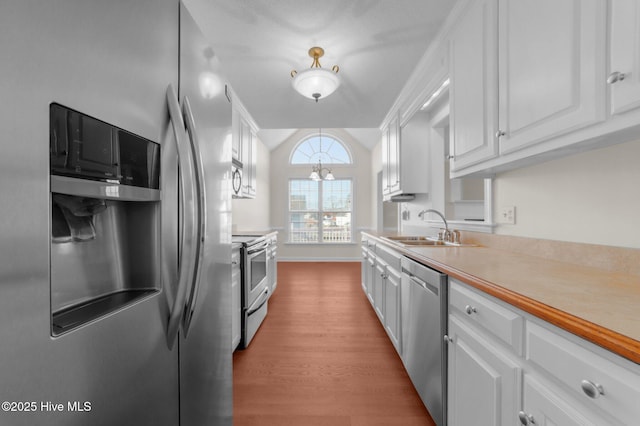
x: 446, y: 235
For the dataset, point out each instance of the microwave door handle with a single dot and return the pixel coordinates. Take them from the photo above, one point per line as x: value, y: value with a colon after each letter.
x: 201, y: 224
x: 186, y: 261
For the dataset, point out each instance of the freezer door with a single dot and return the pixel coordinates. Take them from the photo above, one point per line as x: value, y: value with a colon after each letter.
x: 113, y: 61
x: 205, y: 350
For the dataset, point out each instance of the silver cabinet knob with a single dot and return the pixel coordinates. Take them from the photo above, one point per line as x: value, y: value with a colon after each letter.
x: 525, y: 418
x: 470, y: 309
x: 615, y: 77
x: 592, y: 390
x: 447, y: 339
x: 500, y: 133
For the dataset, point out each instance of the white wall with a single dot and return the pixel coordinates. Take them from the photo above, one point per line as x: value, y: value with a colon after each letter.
x: 254, y: 214
x: 282, y: 171
x: 592, y: 197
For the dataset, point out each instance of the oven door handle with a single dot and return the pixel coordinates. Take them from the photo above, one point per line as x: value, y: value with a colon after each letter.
x: 187, y: 212
x: 260, y: 248
x: 260, y: 301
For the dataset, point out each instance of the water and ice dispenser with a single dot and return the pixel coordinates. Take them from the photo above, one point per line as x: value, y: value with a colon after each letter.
x: 105, y: 218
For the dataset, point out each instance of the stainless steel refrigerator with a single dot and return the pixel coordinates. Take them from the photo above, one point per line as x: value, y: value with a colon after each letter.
x: 123, y: 316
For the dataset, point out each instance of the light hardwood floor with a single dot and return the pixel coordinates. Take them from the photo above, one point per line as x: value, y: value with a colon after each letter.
x: 322, y: 358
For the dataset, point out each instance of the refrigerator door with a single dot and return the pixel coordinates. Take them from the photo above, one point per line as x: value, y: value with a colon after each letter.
x: 205, y: 346
x: 113, y: 61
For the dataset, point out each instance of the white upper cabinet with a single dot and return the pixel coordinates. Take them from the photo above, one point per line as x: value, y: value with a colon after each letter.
x: 244, y: 146
x: 405, y: 158
x: 249, y: 142
x: 526, y: 77
x: 551, y: 63
x: 391, y: 158
x: 473, y: 93
x: 624, y: 55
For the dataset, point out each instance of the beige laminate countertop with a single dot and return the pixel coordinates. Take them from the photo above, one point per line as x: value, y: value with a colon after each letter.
x: 599, y: 306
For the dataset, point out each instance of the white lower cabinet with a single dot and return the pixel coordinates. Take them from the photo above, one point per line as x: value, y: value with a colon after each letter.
x: 559, y: 378
x: 236, y: 297
x: 483, y: 379
x: 392, y: 307
x: 378, y: 289
x: 381, y: 283
x: 543, y: 406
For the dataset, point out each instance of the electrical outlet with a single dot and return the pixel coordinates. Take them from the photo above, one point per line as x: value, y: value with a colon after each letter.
x: 507, y: 215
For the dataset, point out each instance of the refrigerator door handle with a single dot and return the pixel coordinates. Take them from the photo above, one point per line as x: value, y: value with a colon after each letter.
x: 186, y: 261
x: 201, y: 224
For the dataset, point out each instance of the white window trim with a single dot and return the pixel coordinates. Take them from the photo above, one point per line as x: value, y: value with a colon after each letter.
x: 320, y: 243
x: 346, y: 147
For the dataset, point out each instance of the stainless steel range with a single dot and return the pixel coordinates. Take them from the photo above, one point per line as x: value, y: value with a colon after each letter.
x: 255, y: 288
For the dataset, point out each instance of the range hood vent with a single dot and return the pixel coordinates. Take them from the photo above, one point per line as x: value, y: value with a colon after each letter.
x: 400, y: 198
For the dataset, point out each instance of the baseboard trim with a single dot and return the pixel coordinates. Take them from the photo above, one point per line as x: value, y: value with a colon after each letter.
x: 319, y: 259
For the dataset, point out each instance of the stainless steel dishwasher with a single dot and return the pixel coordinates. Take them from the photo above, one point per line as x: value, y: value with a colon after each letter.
x: 424, y: 324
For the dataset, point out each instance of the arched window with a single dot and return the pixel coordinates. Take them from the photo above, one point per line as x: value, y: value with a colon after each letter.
x: 320, y: 211
x: 320, y: 147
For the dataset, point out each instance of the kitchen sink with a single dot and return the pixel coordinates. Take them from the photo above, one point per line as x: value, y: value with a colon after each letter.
x: 422, y: 241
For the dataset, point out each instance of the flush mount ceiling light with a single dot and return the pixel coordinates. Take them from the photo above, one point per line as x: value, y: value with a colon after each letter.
x: 316, y: 82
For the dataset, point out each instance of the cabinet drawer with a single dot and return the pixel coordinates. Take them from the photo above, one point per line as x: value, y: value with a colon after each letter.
x: 576, y: 366
x: 390, y: 257
x: 503, y: 323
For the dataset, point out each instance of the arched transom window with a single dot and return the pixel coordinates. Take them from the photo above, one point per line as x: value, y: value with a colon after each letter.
x: 320, y: 147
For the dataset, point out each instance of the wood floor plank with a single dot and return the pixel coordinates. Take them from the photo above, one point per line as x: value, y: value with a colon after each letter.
x: 321, y: 357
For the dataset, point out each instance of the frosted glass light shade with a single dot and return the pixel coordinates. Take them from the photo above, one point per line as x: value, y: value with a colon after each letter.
x: 316, y: 83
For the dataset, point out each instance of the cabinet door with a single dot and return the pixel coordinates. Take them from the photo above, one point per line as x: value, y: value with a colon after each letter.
x: 235, y: 298
x: 236, y: 136
x: 378, y: 290
x: 551, y: 68
x: 394, y: 156
x: 484, y: 383
x: 624, y: 51
x: 253, y: 163
x: 473, y: 93
x: 365, y: 267
x: 385, y: 162
x: 392, y: 308
x: 371, y: 270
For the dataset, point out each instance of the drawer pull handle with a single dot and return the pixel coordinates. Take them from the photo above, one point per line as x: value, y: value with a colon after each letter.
x: 592, y: 390
x: 470, y: 309
x: 525, y: 418
x: 615, y: 77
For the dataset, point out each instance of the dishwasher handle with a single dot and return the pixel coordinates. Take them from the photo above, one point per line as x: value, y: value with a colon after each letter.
x: 427, y: 286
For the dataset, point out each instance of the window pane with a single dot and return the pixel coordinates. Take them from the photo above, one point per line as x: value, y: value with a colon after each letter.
x: 327, y: 149
x: 303, y: 227
x: 336, y: 227
x: 336, y: 195
x: 303, y: 195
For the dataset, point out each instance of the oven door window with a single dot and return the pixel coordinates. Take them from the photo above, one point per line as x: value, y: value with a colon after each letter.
x: 258, y: 268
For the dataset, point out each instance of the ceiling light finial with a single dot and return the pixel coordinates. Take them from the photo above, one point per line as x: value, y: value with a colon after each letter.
x: 316, y: 82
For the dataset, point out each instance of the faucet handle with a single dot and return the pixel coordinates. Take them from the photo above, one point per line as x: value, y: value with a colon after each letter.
x: 455, y: 236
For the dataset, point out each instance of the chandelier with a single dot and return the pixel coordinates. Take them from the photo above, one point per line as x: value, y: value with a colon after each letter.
x: 317, y: 172
x: 316, y: 82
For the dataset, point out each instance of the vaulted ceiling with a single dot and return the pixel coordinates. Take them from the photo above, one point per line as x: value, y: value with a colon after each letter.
x: 376, y: 43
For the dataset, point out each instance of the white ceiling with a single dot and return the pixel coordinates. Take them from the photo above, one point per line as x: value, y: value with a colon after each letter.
x: 376, y: 44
